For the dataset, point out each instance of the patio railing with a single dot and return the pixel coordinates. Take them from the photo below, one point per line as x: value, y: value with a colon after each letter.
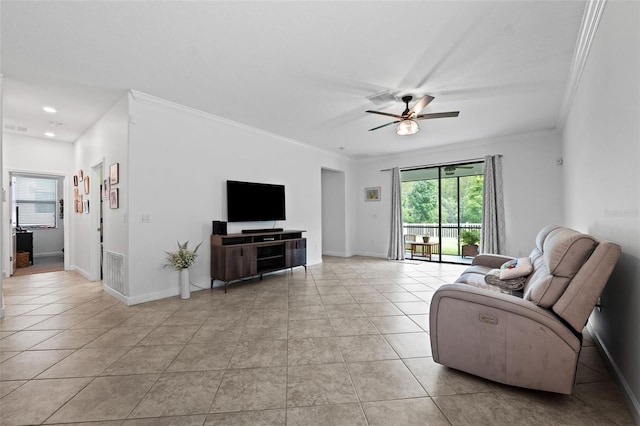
x: 450, y: 233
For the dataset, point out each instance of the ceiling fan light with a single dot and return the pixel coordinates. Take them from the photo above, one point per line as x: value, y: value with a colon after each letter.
x: 407, y: 127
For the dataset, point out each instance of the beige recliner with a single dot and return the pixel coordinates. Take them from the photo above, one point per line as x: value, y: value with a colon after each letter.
x: 531, y: 341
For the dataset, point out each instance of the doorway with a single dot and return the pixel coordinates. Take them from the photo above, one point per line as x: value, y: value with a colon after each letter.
x: 96, y: 197
x: 333, y: 213
x: 442, y: 211
x: 38, y: 232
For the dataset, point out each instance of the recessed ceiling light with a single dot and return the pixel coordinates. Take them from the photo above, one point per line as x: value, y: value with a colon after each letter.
x: 50, y: 110
x: 49, y: 134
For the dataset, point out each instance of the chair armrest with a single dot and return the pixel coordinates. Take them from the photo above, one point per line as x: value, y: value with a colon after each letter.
x: 505, y: 303
x: 502, y: 338
x: 493, y: 261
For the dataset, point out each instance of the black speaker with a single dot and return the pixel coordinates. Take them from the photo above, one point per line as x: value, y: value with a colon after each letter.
x: 219, y: 227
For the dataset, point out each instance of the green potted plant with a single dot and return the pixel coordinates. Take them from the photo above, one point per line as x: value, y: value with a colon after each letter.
x: 181, y: 260
x: 470, y: 239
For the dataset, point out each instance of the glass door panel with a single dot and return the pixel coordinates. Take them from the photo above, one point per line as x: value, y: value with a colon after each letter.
x: 442, y: 203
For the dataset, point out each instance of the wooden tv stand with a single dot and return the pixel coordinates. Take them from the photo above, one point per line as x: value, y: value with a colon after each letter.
x: 238, y: 256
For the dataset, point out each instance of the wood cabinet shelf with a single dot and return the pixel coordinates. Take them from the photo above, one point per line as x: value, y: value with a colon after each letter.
x: 238, y: 256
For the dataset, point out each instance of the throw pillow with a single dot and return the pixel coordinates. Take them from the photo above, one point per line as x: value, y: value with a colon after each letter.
x: 516, y: 268
x: 515, y: 284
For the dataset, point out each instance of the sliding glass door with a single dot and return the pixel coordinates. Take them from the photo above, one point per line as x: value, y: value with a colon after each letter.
x: 442, y: 211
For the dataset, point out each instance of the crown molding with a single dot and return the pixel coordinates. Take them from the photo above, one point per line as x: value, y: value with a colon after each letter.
x: 590, y: 20
x: 462, y: 145
x: 155, y: 101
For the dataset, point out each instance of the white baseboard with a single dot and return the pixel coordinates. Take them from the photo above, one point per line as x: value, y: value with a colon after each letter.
x: 115, y: 294
x: 53, y: 253
x: 80, y: 271
x: 149, y: 297
x: 627, y: 393
x: 371, y: 254
x: 334, y: 254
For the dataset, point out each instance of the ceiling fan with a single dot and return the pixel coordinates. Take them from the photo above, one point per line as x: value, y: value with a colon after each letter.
x: 450, y: 170
x: 408, y: 124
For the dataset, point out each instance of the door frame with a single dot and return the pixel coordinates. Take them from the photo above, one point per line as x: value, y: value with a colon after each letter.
x: 95, y: 213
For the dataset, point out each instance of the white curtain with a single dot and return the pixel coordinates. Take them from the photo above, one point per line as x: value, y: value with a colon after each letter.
x: 396, y: 238
x: 493, y: 239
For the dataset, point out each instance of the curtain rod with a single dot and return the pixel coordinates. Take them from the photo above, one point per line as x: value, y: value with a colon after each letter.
x: 471, y: 160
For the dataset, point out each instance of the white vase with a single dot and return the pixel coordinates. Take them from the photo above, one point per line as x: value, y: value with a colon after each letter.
x: 185, y: 290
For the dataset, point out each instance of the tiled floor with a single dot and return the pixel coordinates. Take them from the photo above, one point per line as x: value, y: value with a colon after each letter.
x: 344, y: 344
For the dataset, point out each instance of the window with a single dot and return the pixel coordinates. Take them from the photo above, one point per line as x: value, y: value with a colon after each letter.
x: 443, y: 203
x: 35, y: 198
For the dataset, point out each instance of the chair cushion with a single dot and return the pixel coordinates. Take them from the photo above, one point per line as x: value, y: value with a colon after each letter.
x: 557, y: 258
x: 542, y: 235
x: 566, y: 250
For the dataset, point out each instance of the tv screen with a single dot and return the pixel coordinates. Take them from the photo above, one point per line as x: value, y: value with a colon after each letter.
x: 248, y: 201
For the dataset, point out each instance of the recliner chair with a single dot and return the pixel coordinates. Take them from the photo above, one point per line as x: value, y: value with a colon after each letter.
x: 531, y: 341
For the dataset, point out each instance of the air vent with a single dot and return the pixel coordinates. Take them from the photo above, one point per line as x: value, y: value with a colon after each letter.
x: 16, y: 128
x: 382, y: 97
x: 114, y: 272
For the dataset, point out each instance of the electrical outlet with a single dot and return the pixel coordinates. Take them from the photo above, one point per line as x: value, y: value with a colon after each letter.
x: 145, y: 218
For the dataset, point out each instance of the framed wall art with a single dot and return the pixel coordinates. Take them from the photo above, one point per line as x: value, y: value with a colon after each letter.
x: 114, y: 173
x: 86, y: 185
x: 105, y: 189
x: 114, y: 198
x: 372, y: 194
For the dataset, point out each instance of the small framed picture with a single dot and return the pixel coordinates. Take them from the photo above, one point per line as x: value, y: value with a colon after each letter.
x: 75, y: 180
x: 86, y: 185
x: 76, y: 194
x: 105, y: 189
x: 80, y: 175
x: 85, y: 206
x: 114, y: 173
x: 372, y: 194
x: 114, y: 198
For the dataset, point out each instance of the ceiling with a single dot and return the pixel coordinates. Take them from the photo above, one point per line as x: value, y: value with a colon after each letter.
x: 303, y: 70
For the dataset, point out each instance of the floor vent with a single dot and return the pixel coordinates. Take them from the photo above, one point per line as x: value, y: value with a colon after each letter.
x: 114, y: 272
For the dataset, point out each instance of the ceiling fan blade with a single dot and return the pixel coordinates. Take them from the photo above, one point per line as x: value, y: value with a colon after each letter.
x: 421, y: 104
x: 385, y: 125
x: 437, y: 115
x: 388, y: 114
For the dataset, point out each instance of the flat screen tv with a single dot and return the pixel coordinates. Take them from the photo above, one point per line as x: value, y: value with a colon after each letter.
x: 249, y: 201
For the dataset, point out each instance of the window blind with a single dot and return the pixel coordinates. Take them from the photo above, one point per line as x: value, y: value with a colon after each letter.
x: 36, y: 200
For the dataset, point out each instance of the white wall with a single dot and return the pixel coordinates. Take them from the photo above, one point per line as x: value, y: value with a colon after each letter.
x: 180, y: 160
x: 333, y: 213
x: 532, y: 187
x: 105, y: 141
x: 39, y: 156
x: 601, y: 144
